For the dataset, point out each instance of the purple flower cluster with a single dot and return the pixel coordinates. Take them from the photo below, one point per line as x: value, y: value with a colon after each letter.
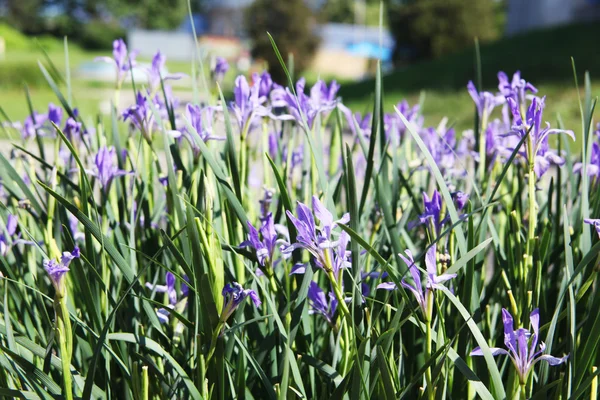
x: 522, y: 112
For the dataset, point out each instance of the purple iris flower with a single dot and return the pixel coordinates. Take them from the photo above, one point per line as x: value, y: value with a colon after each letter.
x: 393, y: 126
x: 72, y: 129
x: 264, y: 248
x: 321, y: 303
x: 522, y: 345
x: 55, y: 114
x: 139, y: 115
x: 122, y: 60
x: 322, y: 99
x: 234, y: 295
x: 201, y: 119
x: 433, y: 280
x: 517, y: 88
x: 317, y: 240
x: 595, y: 223
x: 106, y: 167
x: 539, y: 134
x: 31, y: 125
x: 170, y: 289
x: 10, y: 231
x: 264, y: 83
x: 593, y: 168
x: 219, y: 69
x: 248, y: 103
x: 74, y: 227
x: 156, y: 72
x: 265, y: 205
x: 484, y: 101
x: 57, y: 270
x: 432, y: 211
x: 356, y: 120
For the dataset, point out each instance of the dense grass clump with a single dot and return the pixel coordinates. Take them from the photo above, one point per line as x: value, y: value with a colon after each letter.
x: 281, y: 245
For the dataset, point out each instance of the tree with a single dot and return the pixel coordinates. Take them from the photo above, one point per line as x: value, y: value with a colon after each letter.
x: 291, y: 23
x: 432, y: 28
x: 24, y: 15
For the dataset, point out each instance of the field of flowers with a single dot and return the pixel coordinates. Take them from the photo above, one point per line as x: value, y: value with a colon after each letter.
x: 280, y: 245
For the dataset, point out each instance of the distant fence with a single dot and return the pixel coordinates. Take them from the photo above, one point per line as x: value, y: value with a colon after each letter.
x: 174, y: 45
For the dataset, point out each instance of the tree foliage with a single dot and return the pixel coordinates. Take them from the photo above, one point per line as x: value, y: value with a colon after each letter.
x: 291, y: 23
x: 432, y: 28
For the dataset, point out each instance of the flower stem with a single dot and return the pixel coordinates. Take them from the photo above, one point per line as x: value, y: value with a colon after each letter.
x: 428, y: 344
x: 522, y: 392
x: 532, y: 215
x: 65, y: 341
x: 213, y: 341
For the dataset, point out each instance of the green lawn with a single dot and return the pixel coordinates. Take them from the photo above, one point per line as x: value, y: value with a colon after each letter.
x: 543, y: 57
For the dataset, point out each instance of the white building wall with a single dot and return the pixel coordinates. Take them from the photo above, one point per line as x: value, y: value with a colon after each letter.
x: 174, y: 45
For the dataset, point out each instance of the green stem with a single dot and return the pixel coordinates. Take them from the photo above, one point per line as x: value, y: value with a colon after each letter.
x: 428, y: 344
x: 213, y: 341
x: 65, y: 341
x: 532, y: 213
x: 522, y: 392
x: 482, y: 148
x: 145, y: 382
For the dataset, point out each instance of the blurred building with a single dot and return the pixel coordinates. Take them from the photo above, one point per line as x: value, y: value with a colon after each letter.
x: 346, y: 50
x: 526, y: 15
x: 349, y: 51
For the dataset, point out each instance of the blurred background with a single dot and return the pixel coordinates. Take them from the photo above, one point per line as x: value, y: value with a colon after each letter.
x: 426, y: 46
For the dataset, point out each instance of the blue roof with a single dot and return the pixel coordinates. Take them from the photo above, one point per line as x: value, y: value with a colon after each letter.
x: 336, y: 36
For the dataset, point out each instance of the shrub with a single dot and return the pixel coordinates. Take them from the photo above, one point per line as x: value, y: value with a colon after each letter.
x: 99, y: 35
x: 432, y: 28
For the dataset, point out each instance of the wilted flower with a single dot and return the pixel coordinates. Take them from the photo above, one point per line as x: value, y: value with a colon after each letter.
x: 264, y: 248
x: 122, y: 60
x: 106, y: 167
x: 595, y: 223
x: 433, y: 280
x: 57, y: 270
x: 234, y: 295
x: 321, y: 303
x: 171, y: 291
x: 316, y: 240
x: 522, y: 346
